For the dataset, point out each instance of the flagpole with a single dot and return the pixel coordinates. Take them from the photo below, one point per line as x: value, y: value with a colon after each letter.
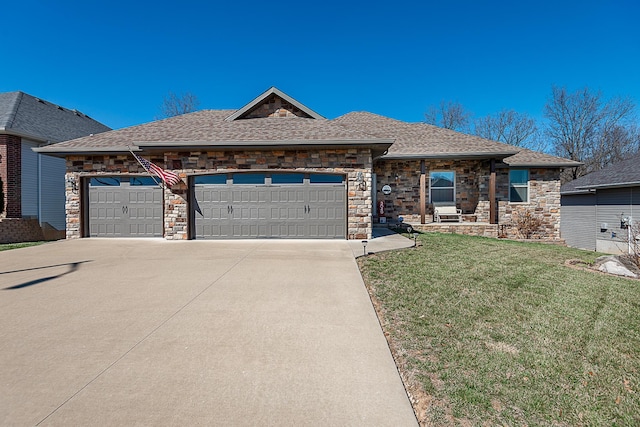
x: 150, y: 174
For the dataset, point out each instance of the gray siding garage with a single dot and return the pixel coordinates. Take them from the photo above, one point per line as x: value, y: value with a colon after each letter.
x: 269, y: 205
x: 578, y: 223
x: 124, y: 207
x: 596, y: 207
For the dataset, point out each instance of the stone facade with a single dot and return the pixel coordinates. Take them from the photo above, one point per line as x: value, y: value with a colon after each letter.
x: 275, y: 106
x: 355, y: 163
x: 472, y: 194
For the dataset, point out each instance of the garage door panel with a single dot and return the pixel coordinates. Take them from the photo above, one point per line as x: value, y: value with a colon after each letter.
x: 118, y: 209
x: 296, y: 210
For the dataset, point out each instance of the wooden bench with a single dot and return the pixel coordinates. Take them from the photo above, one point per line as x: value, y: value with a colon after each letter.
x: 447, y: 213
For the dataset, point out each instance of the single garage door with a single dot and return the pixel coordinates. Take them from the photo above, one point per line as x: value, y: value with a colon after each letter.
x: 274, y: 205
x: 125, y: 207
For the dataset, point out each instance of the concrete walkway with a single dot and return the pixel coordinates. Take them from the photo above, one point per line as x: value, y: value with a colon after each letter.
x: 383, y: 240
x: 152, y: 332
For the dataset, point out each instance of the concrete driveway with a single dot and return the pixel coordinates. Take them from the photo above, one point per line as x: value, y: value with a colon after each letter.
x: 152, y: 332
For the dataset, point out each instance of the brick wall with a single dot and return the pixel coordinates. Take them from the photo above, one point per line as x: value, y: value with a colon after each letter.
x: 354, y: 163
x: 472, y: 193
x: 15, y: 230
x: 11, y: 174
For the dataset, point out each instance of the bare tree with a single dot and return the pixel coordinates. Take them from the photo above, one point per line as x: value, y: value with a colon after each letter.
x: 510, y: 127
x: 582, y: 126
x: 449, y: 115
x: 175, y: 105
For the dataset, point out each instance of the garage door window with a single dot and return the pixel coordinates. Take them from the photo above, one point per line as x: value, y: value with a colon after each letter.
x: 142, y: 180
x: 325, y: 179
x: 287, y: 178
x: 107, y: 181
x: 249, y: 178
x: 211, y: 179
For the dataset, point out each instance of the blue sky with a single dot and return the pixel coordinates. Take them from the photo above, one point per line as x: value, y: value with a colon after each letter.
x: 117, y: 60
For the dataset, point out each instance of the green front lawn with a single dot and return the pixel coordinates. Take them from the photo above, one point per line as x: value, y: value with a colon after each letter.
x: 7, y: 246
x: 493, y: 332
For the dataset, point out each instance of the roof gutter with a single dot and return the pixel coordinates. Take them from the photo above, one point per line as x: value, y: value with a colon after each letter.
x: 168, y: 145
x: 458, y: 155
x: 614, y: 185
x: 543, y: 165
x: 4, y: 130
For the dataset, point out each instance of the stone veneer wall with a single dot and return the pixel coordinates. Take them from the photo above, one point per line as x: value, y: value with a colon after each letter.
x: 351, y: 162
x: 544, y: 204
x: 472, y: 193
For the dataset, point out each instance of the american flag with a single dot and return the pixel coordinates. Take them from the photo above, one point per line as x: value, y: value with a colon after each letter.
x: 170, y: 178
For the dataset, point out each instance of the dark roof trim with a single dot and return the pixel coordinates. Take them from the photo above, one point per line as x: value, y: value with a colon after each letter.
x: 455, y: 156
x: 575, y: 192
x: 612, y: 185
x: 264, y: 95
x: 375, y: 144
x: 543, y: 165
x: 267, y: 144
x: 21, y: 134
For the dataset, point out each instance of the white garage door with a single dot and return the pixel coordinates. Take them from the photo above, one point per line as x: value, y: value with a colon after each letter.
x: 125, y: 207
x: 273, y: 205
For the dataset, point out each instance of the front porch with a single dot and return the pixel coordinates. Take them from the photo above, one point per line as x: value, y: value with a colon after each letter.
x: 468, y: 228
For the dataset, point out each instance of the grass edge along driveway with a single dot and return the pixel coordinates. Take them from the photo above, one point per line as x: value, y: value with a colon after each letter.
x: 489, y: 332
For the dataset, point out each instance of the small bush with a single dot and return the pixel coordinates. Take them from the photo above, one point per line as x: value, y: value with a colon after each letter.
x: 527, y: 224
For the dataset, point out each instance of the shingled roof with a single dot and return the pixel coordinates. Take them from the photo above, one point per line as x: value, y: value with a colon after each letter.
x: 622, y: 174
x: 274, y: 119
x: 210, y: 129
x: 29, y: 117
x: 421, y: 140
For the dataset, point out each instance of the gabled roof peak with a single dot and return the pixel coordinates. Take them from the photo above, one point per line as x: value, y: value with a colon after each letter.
x: 273, y: 103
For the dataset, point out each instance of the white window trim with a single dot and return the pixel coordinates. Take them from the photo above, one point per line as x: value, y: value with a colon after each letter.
x: 520, y: 186
x: 454, y: 184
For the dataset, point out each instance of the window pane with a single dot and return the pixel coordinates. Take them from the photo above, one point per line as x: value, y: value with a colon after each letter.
x: 318, y: 178
x: 143, y: 180
x: 439, y: 195
x: 442, y: 179
x: 105, y: 181
x: 248, y: 178
x: 518, y: 194
x: 519, y: 176
x: 211, y: 179
x: 287, y: 178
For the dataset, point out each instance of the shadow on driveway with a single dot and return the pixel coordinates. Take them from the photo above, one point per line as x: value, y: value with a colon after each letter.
x: 72, y: 267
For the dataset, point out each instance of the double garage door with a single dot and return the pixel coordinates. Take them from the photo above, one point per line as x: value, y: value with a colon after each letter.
x: 275, y: 205
x: 224, y: 206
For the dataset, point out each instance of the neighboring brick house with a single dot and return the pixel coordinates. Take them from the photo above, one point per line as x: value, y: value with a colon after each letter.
x: 597, y: 208
x: 33, y: 184
x: 276, y: 168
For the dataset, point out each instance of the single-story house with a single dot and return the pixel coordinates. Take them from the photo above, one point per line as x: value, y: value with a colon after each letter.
x: 597, y: 208
x: 276, y: 168
x: 33, y: 184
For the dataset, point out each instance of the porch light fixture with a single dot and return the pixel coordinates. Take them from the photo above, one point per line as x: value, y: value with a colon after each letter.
x: 364, y: 247
x: 360, y: 180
